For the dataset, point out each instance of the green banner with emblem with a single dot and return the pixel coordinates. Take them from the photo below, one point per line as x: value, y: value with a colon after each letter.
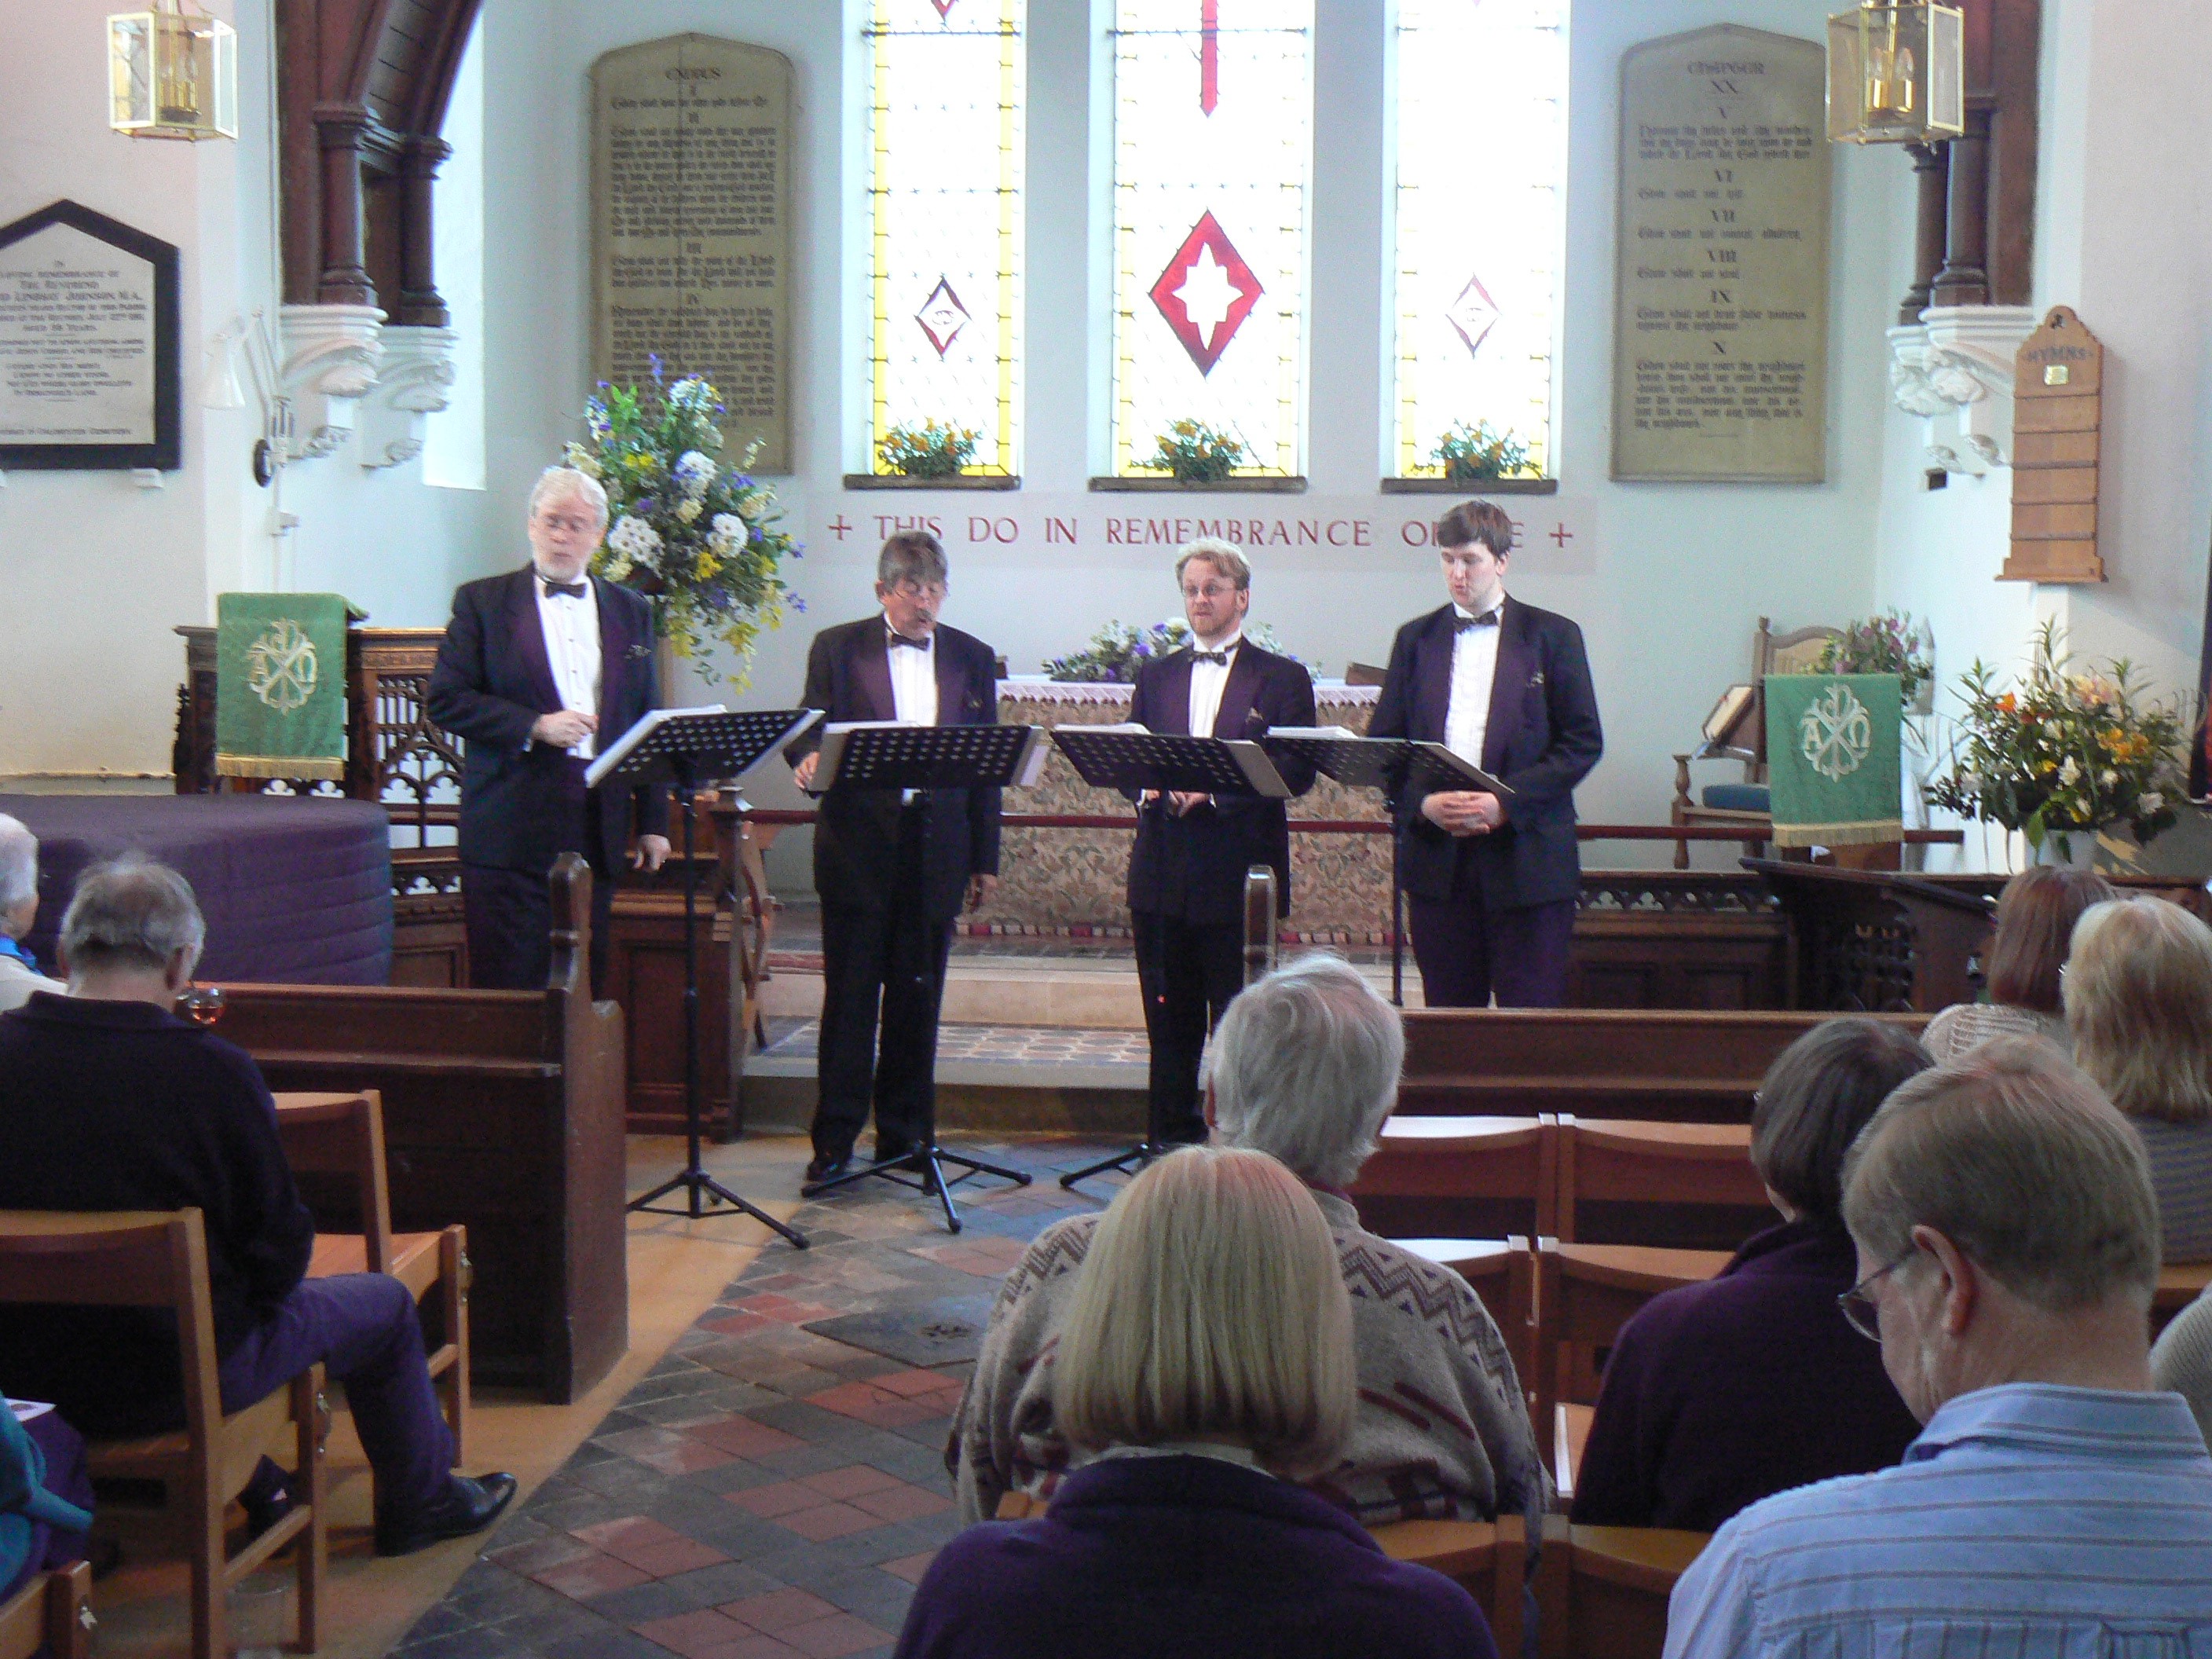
x: 280, y: 698
x: 1833, y: 766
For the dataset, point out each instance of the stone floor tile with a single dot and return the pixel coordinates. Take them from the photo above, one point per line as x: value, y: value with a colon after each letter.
x: 835, y: 1637
x: 910, y: 1567
x: 771, y: 1503
x: 778, y: 1610
x: 595, y: 1575
x: 701, y: 1634
x: 851, y: 1481
x: 828, y: 1521
x: 902, y: 1504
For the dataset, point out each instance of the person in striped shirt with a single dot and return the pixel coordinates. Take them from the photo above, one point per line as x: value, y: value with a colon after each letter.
x: 2053, y: 1504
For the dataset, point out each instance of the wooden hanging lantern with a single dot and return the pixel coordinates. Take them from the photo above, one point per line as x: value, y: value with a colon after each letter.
x: 2058, y: 408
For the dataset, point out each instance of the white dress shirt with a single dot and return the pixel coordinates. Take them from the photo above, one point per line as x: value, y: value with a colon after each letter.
x: 1207, y: 682
x: 1475, y: 666
x: 913, y: 687
x: 572, y: 648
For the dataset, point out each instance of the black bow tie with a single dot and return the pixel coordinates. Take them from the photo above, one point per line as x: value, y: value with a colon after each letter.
x: 1487, y: 619
x: 564, y: 589
x: 1218, y: 659
x: 899, y: 638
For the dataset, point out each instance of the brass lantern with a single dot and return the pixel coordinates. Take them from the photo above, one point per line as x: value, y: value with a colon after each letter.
x: 171, y: 74
x: 1896, y: 73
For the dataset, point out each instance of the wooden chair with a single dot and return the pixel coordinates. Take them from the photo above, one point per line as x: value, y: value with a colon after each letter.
x: 1601, y: 1591
x: 1489, y: 1559
x: 342, y: 1135
x: 2179, y: 1284
x: 1584, y: 1294
x: 1461, y: 1177
x: 1499, y: 1272
x: 49, y: 1614
x: 1687, y: 1186
x: 158, y: 1258
x: 1743, y: 805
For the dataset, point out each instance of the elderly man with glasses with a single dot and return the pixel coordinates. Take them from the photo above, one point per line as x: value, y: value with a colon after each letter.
x: 893, y: 867
x: 2008, y: 1248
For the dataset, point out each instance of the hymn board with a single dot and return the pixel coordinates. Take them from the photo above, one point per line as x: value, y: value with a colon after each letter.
x: 1721, y: 321
x: 691, y: 158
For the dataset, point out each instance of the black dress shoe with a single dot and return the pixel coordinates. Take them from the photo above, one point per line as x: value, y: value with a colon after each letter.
x: 826, y: 1168
x: 469, y: 1505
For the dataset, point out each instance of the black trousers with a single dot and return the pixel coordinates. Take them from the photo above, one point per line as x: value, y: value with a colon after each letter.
x: 509, y: 913
x: 1468, y: 951
x: 1188, y: 972
x: 890, y: 960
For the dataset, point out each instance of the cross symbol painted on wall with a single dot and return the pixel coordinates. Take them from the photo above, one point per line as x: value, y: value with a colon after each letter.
x: 1209, y: 54
x: 838, y: 527
x: 1561, y: 535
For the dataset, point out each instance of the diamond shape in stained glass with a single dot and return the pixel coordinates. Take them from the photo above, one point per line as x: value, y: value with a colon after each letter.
x: 942, y: 316
x: 1474, y: 314
x: 945, y: 9
x: 1206, y: 293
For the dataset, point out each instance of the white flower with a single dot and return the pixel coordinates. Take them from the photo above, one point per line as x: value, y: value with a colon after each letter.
x: 751, y: 505
x: 2150, y: 803
x: 2108, y: 777
x: 726, y: 533
x: 694, y: 471
x: 2070, y: 773
x: 633, y: 539
x: 687, y: 509
x: 617, y: 569
x: 583, y: 460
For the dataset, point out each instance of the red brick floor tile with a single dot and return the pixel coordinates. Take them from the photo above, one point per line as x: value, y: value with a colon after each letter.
x: 770, y: 1503
x: 778, y: 1610
x: 591, y: 1574
x: 702, y: 1635
x: 734, y: 1323
x: 849, y: 1483
x: 554, y: 1549
x: 819, y: 1526
x: 685, y: 1456
x: 649, y: 1546
x: 908, y: 1383
x: 759, y: 1647
x: 877, y: 1406
x: 742, y: 1437
x: 684, y: 1555
x: 834, y: 1638
x: 910, y: 1567
x: 907, y: 1503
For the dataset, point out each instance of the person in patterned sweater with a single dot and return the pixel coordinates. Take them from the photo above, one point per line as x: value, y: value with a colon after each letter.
x: 1305, y: 1068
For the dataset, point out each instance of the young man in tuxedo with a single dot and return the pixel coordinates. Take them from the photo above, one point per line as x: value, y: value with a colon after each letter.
x: 1187, y: 870
x: 893, y: 867
x: 535, y: 667
x: 1490, y: 882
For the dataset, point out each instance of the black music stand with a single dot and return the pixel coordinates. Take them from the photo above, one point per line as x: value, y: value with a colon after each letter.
x: 1134, y: 761
x: 882, y: 755
x: 688, y: 747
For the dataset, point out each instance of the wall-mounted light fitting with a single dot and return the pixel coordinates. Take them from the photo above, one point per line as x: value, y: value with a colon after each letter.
x: 1896, y: 73
x: 171, y: 74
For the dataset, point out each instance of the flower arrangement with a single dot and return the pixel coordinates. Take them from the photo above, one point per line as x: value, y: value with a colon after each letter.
x: 1193, y: 452
x: 930, y: 450
x: 698, y: 539
x: 1892, y: 643
x: 1112, y: 655
x: 1470, y: 454
x: 2064, y: 751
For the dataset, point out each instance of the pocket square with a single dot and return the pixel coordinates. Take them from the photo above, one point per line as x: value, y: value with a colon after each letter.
x: 639, y: 653
x: 1537, y: 678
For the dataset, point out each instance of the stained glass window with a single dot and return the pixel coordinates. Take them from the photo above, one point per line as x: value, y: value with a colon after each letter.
x: 945, y: 198
x: 1213, y: 165
x: 1482, y: 172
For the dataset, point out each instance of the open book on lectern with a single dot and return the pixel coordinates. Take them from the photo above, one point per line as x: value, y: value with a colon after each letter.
x: 712, y: 744
x: 1378, y: 763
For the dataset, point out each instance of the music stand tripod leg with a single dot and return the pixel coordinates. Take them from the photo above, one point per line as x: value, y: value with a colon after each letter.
x: 1152, y: 1145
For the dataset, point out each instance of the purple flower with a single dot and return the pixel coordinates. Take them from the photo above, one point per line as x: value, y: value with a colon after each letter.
x: 798, y: 604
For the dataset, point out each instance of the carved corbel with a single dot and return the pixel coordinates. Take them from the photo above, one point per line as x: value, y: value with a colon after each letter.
x: 1953, y: 369
x: 415, y: 382
x: 332, y: 356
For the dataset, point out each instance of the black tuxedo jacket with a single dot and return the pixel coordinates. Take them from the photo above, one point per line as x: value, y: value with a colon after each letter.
x: 492, y: 682
x: 1192, y: 867
x: 1542, y: 739
x: 848, y: 678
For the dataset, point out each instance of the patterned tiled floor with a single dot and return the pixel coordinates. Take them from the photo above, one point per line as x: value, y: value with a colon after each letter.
x: 765, y: 1492
x: 1006, y: 1045
x: 798, y: 944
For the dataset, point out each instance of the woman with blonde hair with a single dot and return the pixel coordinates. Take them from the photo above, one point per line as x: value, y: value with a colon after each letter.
x: 2139, y: 1004
x: 1205, y: 1365
x: 2036, y: 914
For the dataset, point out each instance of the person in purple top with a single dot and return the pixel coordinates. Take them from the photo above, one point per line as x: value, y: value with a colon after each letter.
x: 1205, y: 1363
x: 1718, y: 1394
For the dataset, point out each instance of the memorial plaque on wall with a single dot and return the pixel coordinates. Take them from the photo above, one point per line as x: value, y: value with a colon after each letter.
x: 691, y: 158
x: 89, y: 373
x: 1721, y: 320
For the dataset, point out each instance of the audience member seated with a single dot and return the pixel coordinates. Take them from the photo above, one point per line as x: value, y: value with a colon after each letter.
x: 2036, y: 915
x: 2181, y: 1360
x: 1205, y: 1364
x: 45, y: 1498
x: 19, y: 909
x: 1718, y: 1394
x: 1304, y: 1067
x: 109, y: 1102
x: 2139, y: 1003
x: 2008, y: 1240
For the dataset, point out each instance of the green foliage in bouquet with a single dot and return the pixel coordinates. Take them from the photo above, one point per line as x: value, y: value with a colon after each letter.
x: 702, y: 540
x: 1892, y: 643
x: 931, y: 450
x: 1195, y: 454
x: 1112, y: 655
x: 2064, y: 751
x: 1470, y: 454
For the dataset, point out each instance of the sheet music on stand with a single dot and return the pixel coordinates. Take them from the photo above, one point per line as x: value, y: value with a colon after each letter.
x: 701, y: 744
x: 892, y: 755
x: 1130, y: 758
x: 1381, y: 763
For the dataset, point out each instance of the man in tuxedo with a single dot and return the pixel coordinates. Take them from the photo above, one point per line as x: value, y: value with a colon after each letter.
x: 535, y: 665
x: 1187, y: 871
x: 893, y: 867
x: 1490, y: 882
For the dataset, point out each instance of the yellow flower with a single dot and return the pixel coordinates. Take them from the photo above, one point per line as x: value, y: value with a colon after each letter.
x: 706, y: 567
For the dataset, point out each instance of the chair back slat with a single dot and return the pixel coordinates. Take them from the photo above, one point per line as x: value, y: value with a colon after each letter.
x: 1674, y: 1184
x: 343, y: 1134
x: 1459, y: 1178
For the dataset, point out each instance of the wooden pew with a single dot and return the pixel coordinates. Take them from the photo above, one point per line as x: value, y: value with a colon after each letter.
x: 1461, y: 1177
x: 1685, y: 1186
x: 1662, y: 1065
x: 503, y: 1113
x: 1602, y: 1592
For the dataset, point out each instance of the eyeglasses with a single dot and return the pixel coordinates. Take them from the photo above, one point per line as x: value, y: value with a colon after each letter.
x: 569, y: 523
x: 1860, y: 1311
x: 1211, y: 591
x: 932, y: 592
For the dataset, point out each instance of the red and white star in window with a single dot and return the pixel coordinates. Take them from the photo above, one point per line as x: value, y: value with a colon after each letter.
x: 1206, y: 293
